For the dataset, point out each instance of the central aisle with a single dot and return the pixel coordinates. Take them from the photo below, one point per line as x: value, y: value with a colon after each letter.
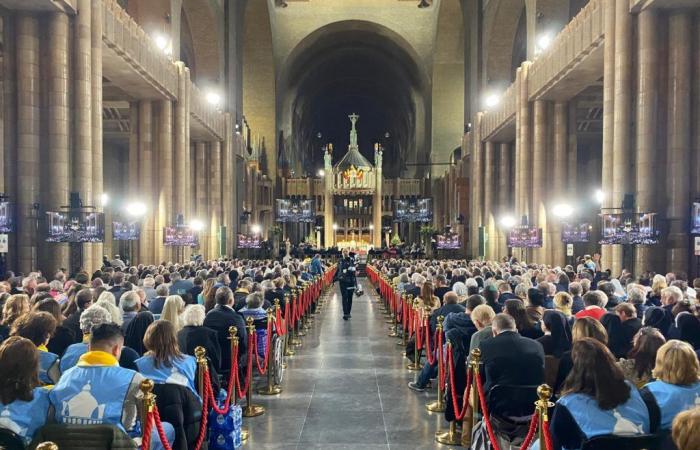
x: 346, y: 389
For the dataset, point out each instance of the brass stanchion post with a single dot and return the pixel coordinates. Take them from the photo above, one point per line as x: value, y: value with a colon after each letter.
x: 271, y: 388
x: 439, y: 404
x: 201, y: 354
x: 233, y: 337
x: 408, y: 300
x: 148, y: 402
x: 300, y: 322
x: 47, y: 446
x: 544, y: 392
x: 450, y: 437
x: 470, y: 420
x: 251, y: 409
x: 416, y: 352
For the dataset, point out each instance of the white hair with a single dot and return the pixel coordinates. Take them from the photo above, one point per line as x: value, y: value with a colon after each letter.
x: 471, y: 283
x: 108, y: 297
x: 149, y: 282
x: 93, y: 316
x: 460, y: 289
x: 193, y: 315
x: 112, y: 308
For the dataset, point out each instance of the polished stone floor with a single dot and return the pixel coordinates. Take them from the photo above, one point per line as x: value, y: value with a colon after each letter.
x: 346, y: 389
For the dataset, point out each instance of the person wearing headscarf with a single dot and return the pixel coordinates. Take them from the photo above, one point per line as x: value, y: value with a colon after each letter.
x: 656, y: 317
x: 618, y: 342
x: 619, y: 291
x: 557, y: 338
x: 136, y: 330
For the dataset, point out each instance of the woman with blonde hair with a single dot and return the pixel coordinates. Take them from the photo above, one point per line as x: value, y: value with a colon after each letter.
x: 682, y: 431
x: 563, y: 302
x: 107, y: 301
x: 658, y: 284
x: 173, y: 308
x: 427, y: 299
x: 677, y: 385
x: 206, y: 297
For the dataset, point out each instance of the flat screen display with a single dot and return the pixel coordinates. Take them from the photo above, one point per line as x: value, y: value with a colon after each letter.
x: 292, y: 210
x: 180, y: 237
x: 695, y: 219
x: 451, y: 241
x: 126, y: 231
x: 249, y: 241
x: 525, y: 236
x: 75, y: 227
x: 413, y: 210
x: 629, y: 229
x: 572, y: 233
x: 7, y: 217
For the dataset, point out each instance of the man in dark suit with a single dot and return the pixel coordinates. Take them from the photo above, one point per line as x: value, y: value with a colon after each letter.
x: 510, y: 359
x: 219, y: 319
x: 117, y: 289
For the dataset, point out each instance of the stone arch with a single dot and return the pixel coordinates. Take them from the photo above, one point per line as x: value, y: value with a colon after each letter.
x: 328, y: 62
x: 501, y: 20
x: 205, y: 21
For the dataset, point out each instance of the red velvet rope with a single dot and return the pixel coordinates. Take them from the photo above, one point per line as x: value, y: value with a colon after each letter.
x: 429, y: 353
x: 547, y: 436
x: 266, y: 358
x: 459, y: 413
x: 419, y: 331
x: 279, y: 326
x: 531, y: 432
x: 147, y: 428
x: 485, y: 414
x: 441, y: 367
x: 205, y: 411
x: 249, y: 372
x: 159, y: 428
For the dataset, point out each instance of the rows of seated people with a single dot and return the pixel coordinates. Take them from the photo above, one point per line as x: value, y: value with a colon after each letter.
x: 621, y: 354
x: 75, y: 350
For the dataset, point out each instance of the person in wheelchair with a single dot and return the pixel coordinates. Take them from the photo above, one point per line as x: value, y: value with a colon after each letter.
x: 254, y: 309
x: 175, y: 376
x: 99, y: 392
x: 24, y: 404
x: 596, y: 400
x: 677, y: 385
x: 38, y: 327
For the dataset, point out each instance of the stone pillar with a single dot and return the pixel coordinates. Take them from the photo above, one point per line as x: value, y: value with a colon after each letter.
x: 608, y: 119
x: 328, y: 216
x: 82, y: 75
x: 622, y: 116
x: 523, y: 154
x: 215, y: 196
x: 9, y: 86
x: 477, y: 200
x: 27, y: 140
x: 227, y: 185
x: 504, y: 194
x: 572, y: 153
x: 538, y: 215
x: 146, y: 192
x: 558, y: 192
x: 57, y: 155
x: 97, y: 153
x: 647, y: 125
x: 133, y: 191
x: 378, y: 197
x: 201, y: 177
x: 165, y: 177
x: 189, y: 191
x: 490, y: 205
x: 678, y: 160
x: 181, y: 152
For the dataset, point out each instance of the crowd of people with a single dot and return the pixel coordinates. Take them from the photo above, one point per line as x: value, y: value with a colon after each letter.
x: 74, y: 348
x: 620, y: 353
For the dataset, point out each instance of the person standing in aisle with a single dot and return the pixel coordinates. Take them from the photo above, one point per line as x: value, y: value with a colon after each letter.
x: 345, y: 276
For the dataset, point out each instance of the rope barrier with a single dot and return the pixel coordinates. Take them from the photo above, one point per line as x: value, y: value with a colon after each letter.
x: 249, y: 373
x: 547, y: 436
x: 459, y: 413
x: 159, y: 428
x: 531, y: 432
x: 485, y: 411
x: 266, y: 356
x: 205, y: 411
x: 147, y: 429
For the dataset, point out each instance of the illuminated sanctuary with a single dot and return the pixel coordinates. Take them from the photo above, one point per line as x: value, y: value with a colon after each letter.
x: 347, y: 194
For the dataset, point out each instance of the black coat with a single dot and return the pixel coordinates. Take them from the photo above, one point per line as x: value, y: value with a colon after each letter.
x: 346, y: 272
x: 72, y: 322
x: 61, y: 339
x: 510, y: 359
x: 220, y: 319
x: 191, y: 337
x: 179, y: 407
